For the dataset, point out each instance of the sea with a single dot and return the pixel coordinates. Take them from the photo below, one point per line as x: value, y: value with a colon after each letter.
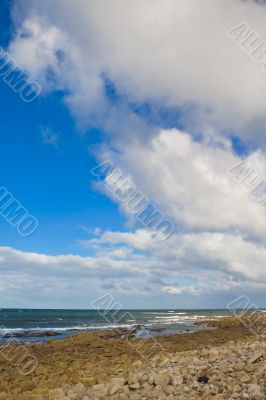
x: 38, y: 325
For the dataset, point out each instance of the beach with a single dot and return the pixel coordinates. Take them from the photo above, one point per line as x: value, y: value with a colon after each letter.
x: 226, y: 361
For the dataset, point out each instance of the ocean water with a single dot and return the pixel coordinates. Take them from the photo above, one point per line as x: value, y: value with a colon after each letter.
x: 19, y: 322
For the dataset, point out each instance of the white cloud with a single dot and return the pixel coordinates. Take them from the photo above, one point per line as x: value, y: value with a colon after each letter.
x: 188, y: 255
x: 189, y: 182
x: 137, y: 265
x: 175, y: 53
x: 139, y: 239
x: 179, y: 290
x: 68, y: 265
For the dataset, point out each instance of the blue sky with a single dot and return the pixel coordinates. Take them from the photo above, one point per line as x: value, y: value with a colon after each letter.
x: 53, y: 182
x: 172, y: 118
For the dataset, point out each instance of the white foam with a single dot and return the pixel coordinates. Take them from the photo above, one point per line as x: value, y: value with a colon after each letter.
x: 64, y: 329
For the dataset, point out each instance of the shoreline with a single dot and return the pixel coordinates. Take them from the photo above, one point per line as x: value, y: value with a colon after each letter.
x: 139, y: 329
x: 135, y: 330
x: 29, y: 323
x: 91, y: 359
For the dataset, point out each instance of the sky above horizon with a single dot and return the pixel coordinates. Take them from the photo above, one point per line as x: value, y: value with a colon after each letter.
x: 163, y: 94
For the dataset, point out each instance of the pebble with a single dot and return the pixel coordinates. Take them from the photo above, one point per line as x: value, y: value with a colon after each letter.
x: 226, y: 372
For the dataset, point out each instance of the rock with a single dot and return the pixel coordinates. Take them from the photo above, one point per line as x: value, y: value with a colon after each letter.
x: 80, y: 389
x: 115, y: 388
x: 164, y: 362
x: 162, y: 379
x: 245, y: 378
x: 134, y: 377
x: 239, y: 367
x: 99, y: 391
x: 177, y: 380
x: 169, y: 389
x: 118, y: 381
x: 56, y: 394
x: 255, y: 357
x: 203, y: 376
x: 40, y: 397
x: 255, y: 392
x: 134, y: 386
x: 203, y: 379
x: 135, y: 396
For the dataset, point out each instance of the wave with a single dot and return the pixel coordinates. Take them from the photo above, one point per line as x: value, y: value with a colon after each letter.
x: 90, y: 327
x: 177, y: 317
x: 146, y: 319
x: 177, y: 313
x: 156, y: 320
x: 65, y: 329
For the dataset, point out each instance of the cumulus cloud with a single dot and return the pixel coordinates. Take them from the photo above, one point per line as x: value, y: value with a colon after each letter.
x: 175, y: 53
x: 68, y: 265
x: 137, y: 264
x: 65, y: 280
x: 189, y: 255
x: 190, y: 183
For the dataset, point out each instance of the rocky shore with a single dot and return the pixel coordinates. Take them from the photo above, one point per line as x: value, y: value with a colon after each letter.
x: 228, y: 362
x: 234, y: 371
